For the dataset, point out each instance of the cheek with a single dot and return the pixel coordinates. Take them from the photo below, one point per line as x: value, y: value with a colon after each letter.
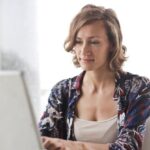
x: 101, y: 56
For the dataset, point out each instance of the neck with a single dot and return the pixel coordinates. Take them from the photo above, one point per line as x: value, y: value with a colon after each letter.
x: 99, y: 80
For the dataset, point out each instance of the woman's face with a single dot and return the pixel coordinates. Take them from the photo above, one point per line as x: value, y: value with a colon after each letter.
x: 92, y: 47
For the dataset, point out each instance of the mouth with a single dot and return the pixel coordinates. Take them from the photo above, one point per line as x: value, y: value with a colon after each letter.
x: 86, y: 60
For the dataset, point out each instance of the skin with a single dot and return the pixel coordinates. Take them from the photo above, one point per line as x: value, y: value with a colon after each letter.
x: 96, y: 103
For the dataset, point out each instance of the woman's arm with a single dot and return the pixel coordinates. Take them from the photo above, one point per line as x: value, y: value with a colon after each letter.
x: 132, y: 121
x: 52, y: 122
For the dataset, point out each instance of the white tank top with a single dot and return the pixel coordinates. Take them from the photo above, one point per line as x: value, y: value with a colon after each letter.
x: 96, y: 131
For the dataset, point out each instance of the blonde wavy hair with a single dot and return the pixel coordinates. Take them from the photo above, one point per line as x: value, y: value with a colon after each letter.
x: 89, y: 14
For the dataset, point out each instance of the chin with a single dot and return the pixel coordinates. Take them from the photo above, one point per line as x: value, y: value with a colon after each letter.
x: 87, y: 68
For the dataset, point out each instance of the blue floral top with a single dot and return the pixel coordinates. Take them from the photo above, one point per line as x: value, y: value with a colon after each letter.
x: 132, y: 93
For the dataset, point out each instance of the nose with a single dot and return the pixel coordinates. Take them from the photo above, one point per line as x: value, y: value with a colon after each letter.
x: 85, y: 50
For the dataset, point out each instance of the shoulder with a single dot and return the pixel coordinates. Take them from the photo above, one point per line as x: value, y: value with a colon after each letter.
x: 65, y: 83
x: 135, y: 82
x: 59, y: 93
x: 69, y: 84
x: 131, y: 76
x: 137, y: 90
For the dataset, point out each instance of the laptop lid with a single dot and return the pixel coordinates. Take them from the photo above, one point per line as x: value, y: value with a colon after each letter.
x: 18, y: 128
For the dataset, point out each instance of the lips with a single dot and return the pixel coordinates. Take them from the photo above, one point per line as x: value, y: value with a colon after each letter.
x: 86, y: 59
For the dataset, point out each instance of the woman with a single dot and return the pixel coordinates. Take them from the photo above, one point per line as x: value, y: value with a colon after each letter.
x: 103, y: 108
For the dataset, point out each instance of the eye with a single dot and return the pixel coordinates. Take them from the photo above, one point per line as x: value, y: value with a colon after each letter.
x: 78, y: 42
x: 95, y: 42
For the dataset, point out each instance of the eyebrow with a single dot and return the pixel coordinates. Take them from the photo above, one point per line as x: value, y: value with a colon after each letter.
x: 91, y: 37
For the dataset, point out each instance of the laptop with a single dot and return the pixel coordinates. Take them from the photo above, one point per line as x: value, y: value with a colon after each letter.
x: 18, y: 128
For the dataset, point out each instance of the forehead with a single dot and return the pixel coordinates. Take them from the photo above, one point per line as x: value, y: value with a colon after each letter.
x: 94, y: 29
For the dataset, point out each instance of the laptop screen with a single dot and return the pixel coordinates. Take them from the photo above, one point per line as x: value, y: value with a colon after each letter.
x: 18, y: 129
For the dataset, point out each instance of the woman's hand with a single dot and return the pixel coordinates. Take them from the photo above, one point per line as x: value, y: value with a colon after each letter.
x: 54, y: 143
x: 60, y: 144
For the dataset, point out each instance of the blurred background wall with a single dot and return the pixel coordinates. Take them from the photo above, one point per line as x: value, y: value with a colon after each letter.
x: 18, y: 43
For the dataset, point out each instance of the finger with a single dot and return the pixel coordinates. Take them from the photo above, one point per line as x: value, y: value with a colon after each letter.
x: 49, y: 144
x: 43, y: 138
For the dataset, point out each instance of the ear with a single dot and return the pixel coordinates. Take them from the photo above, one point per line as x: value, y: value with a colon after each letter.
x: 73, y: 51
x: 111, y: 47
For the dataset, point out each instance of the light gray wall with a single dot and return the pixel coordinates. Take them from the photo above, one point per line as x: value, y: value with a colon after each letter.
x: 18, y: 42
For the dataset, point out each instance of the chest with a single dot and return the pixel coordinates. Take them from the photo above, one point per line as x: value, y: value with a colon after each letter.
x: 96, y: 107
